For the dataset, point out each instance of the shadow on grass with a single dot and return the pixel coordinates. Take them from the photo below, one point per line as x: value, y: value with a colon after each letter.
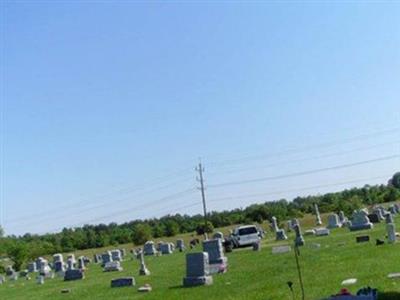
x: 176, y: 287
x: 389, y: 296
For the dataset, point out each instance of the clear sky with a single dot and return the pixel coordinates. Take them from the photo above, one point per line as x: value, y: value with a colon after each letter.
x: 107, y: 106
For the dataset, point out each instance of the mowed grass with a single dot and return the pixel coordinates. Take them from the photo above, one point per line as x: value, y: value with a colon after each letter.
x: 251, y: 275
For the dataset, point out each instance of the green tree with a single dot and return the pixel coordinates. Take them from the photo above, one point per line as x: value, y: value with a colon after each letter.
x: 396, y: 180
x: 171, y: 228
x: 18, y: 253
x: 141, y: 234
x: 1, y: 232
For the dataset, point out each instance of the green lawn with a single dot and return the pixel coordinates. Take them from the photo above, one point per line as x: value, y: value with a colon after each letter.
x: 251, y: 275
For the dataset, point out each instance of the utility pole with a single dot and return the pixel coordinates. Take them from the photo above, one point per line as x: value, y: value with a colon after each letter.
x: 200, y: 169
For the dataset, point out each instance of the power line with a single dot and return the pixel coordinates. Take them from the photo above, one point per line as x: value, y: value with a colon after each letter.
x: 81, y: 204
x: 126, y: 209
x: 285, y: 162
x: 304, y: 172
x: 302, y: 149
x: 168, y: 211
x: 297, y: 189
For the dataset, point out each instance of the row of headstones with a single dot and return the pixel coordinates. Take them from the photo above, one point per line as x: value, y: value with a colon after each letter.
x: 150, y: 248
x: 361, y: 219
x: 47, y: 270
x: 199, y: 266
x: 110, y: 256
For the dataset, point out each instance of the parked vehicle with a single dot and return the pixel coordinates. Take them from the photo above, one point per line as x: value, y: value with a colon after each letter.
x: 247, y: 235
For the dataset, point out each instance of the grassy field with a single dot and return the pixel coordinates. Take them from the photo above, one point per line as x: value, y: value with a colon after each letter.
x: 251, y: 275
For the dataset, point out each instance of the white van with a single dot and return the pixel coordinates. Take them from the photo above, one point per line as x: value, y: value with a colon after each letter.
x: 243, y: 236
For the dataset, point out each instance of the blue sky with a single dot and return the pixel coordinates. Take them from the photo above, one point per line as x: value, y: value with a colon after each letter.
x: 106, y: 107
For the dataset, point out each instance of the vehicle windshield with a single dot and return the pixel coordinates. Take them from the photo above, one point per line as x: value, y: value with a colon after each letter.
x: 248, y: 230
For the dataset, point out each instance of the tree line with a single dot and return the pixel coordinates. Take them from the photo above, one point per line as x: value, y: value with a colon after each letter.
x: 20, y: 249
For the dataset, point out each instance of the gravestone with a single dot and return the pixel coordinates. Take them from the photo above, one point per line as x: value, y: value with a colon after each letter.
x: 70, y: 264
x: 218, y: 235
x: 360, y: 220
x: 123, y: 253
x: 72, y: 257
x: 149, y: 248
x: 116, y: 255
x: 81, y: 263
x: 342, y: 218
x: 106, y: 258
x: 374, y: 218
x: 45, y: 269
x: 397, y: 207
x: 391, y: 232
x: 393, y: 275
x: 281, y: 249
x: 39, y: 262
x: 165, y: 248
x: 180, y: 245
x: 280, y: 235
x: 362, y: 238
x: 383, y: 211
x: 309, y: 232
x: 333, y: 221
x: 322, y: 231
x: 392, y: 210
x: 96, y: 258
x: 172, y: 246
x: 274, y: 224
x: 289, y: 226
x: 217, y: 260
x: 9, y: 271
x: 74, y: 275
x: 112, y: 266
x: 158, y: 247
x: 197, y: 270
x: 389, y: 218
x: 122, y: 282
x: 294, y: 222
x: 318, y: 220
x: 143, y: 271
x: 137, y: 253
x: 378, y: 212
x: 57, y: 257
x: 145, y: 289
x: 86, y: 260
x: 299, y: 240
x: 32, y: 267
x: 59, y: 267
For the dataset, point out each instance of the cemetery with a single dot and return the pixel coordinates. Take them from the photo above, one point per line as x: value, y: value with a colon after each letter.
x: 340, y: 249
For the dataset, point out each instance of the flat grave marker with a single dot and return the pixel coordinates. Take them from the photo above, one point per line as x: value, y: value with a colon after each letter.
x: 281, y: 249
x: 362, y: 239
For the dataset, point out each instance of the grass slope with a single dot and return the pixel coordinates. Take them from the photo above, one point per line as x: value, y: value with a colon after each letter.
x: 251, y: 275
